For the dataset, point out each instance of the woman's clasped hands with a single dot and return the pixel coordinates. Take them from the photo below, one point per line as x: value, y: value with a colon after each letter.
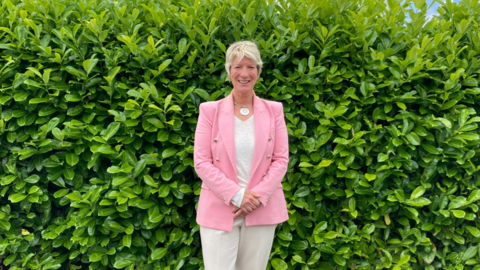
x: 249, y: 204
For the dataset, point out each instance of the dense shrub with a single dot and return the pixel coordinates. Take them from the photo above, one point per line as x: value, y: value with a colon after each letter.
x: 99, y: 103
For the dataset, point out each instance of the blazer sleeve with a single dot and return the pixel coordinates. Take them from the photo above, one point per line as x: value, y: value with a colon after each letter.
x: 215, y: 179
x: 278, y: 167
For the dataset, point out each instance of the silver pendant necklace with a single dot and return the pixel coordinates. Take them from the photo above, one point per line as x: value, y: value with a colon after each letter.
x: 244, y: 110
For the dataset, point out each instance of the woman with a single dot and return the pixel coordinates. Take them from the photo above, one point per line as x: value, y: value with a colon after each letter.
x: 241, y: 161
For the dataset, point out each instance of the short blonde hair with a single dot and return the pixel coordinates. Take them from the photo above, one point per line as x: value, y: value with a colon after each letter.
x: 241, y: 49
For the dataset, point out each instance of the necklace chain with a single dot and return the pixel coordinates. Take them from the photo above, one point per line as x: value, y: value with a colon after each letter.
x: 244, y: 109
x: 242, y: 106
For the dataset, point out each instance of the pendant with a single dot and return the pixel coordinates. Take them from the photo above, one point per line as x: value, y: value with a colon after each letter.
x: 244, y: 111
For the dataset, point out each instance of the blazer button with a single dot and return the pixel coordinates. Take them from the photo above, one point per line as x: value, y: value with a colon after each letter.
x: 269, y: 139
x: 268, y: 156
x: 217, y: 159
x: 215, y: 140
x: 264, y: 174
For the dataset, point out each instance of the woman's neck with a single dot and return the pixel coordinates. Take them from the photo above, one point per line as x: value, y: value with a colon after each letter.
x: 244, y: 99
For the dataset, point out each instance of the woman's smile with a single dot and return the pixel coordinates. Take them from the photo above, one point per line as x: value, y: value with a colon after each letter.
x: 244, y: 74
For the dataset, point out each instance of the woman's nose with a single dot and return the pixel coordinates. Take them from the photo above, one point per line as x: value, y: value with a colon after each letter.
x: 244, y: 72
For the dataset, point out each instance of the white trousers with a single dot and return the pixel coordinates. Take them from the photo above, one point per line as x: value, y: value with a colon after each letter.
x: 244, y: 248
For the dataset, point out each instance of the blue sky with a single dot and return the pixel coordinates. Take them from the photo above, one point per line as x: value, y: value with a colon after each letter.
x: 433, y: 10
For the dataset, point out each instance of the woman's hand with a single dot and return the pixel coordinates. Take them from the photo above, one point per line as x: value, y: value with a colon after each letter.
x: 249, y: 204
x: 238, y: 213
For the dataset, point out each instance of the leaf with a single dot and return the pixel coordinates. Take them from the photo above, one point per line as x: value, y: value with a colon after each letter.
x: 157, y: 123
x: 17, y: 197
x: 184, y: 188
x: 127, y: 240
x: 457, y: 203
x: 469, y: 136
x: 167, y: 102
x: 175, y: 235
x: 458, y: 213
x: 445, y: 122
x: 279, y: 264
x: 400, y: 195
x: 5, y: 225
x: 417, y: 192
x: 430, y: 149
x: 60, y: 193
x: 457, y: 238
x: 418, y: 201
x: 474, y: 196
x: 111, y: 130
x: 401, y: 105
x: 11, y: 258
x: 52, y: 124
x: 163, y: 135
x: 339, y: 111
x: 470, y: 253
x: 203, y: 94
x: 302, y: 192
x: 413, y: 138
x: 474, y: 231
x: 311, y: 61
x: 314, y: 257
x: 368, y: 229
x: 149, y: 181
x: 106, y: 212
x: 330, y: 235
x: 139, y: 168
x: 164, y: 65
x: 449, y: 104
x: 320, y: 227
x: 32, y: 179
x: 158, y: 253
x: 285, y: 236
x: 324, y: 163
x: 6, y: 180
x: 118, y: 180
x: 169, y: 152
x: 163, y: 191
x: 75, y: 196
x: 339, y: 259
x: 72, y: 159
x: 89, y: 64
x: 38, y: 100
x: 185, y: 252
x: 403, y: 260
x: 119, y: 264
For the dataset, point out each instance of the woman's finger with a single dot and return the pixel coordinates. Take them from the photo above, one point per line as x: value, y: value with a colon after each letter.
x: 240, y: 213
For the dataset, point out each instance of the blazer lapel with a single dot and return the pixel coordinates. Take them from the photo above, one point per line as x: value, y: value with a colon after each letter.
x: 226, y: 123
x: 226, y: 126
x: 262, y: 126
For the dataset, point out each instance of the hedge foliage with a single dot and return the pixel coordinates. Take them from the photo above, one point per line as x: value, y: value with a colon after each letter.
x: 99, y: 103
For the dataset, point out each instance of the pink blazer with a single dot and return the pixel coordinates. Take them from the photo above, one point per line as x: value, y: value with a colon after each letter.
x: 215, y: 163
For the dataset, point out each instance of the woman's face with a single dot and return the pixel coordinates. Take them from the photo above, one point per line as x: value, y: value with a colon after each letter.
x: 243, y: 74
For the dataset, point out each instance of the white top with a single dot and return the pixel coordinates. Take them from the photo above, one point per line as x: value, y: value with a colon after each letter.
x: 244, y: 147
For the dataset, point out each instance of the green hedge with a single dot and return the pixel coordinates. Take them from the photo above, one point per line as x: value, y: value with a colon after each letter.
x: 99, y: 103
